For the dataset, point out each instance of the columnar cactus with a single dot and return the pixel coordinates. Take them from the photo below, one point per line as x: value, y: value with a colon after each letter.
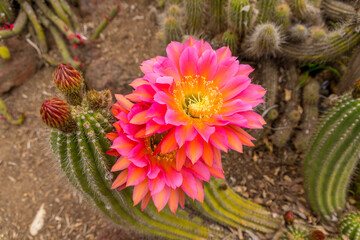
x: 332, y: 157
x: 349, y: 225
x: 239, y: 13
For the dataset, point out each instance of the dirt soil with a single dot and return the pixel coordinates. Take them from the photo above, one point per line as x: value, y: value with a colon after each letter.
x: 30, y: 177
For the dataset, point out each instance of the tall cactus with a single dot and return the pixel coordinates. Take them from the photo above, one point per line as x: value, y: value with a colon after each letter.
x: 194, y: 10
x: 239, y: 13
x: 332, y: 157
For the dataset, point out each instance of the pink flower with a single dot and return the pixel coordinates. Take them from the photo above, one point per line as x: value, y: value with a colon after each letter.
x: 164, y: 178
x: 202, y: 97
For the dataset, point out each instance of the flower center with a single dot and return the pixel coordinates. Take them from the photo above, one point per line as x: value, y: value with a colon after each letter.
x: 152, y: 142
x: 198, y: 97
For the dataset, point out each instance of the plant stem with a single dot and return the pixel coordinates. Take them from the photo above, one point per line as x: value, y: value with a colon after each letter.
x: 73, y: 17
x: 9, y: 118
x: 19, y: 25
x: 38, y: 29
x: 105, y: 22
x: 58, y: 22
x: 60, y: 12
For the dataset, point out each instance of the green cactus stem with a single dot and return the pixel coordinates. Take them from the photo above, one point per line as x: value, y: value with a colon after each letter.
x: 172, y: 30
x: 223, y: 205
x: 114, y: 12
x: 332, y: 157
x: 19, y: 25
x: 352, y: 73
x: 285, y: 125
x: 266, y: 10
x: 4, y: 111
x: 73, y: 17
x: 6, y: 12
x: 305, y: 11
x: 60, y: 24
x: 218, y: 13
x: 349, y: 225
x: 82, y: 157
x: 36, y: 24
x: 194, y: 11
x: 60, y: 12
x: 338, y: 10
x: 310, y: 98
x: 299, y: 33
x: 239, y: 14
x: 283, y: 15
x: 337, y: 43
x: 231, y: 40
x: 65, y: 54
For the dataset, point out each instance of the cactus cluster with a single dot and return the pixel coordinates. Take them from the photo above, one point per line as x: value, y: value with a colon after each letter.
x: 79, y: 142
x: 292, y: 29
x: 332, y: 157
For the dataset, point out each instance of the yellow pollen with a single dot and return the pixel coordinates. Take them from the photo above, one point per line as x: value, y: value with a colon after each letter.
x: 197, y: 96
x: 151, y: 144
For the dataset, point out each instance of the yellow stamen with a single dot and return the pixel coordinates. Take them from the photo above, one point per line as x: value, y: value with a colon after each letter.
x: 197, y: 96
x: 151, y: 144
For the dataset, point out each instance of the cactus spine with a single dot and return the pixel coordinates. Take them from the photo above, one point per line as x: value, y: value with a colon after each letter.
x: 295, y: 233
x: 349, y: 225
x: 332, y: 157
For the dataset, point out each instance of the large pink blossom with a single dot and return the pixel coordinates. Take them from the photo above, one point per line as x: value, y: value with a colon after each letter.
x: 164, y: 178
x: 202, y: 98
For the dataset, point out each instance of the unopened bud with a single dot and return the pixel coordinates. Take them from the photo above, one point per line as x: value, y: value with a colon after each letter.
x: 289, y: 217
x: 69, y: 81
x: 57, y: 114
x: 316, y: 235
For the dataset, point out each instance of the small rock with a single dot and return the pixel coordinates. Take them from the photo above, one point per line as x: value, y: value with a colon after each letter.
x: 38, y: 221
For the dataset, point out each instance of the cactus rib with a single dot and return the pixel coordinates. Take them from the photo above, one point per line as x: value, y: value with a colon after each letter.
x: 332, y: 157
x: 338, y: 11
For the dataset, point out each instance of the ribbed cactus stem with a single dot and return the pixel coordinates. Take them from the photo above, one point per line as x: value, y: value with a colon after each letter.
x: 19, y: 25
x: 239, y: 13
x: 318, y: 34
x: 266, y: 10
x: 60, y: 12
x: 295, y: 233
x: 338, y: 10
x: 36, y: 24
x: 218, y: 11
x: 194, y: 11
x: 172, y: 30
x: 6, y: 12
x: 337, y: 43
x: 82, y: 157
x: 310, y: 115
x: 68, y: 10
x: 283, y: 15
x: 224, y: 206
x: 231, y: 40
x: 305, y: 11
x: 332, y: 157
x: 349, y: 225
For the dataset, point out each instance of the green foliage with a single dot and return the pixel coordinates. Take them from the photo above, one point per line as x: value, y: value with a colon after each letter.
x: 332, y: 157
x: 295, y: 233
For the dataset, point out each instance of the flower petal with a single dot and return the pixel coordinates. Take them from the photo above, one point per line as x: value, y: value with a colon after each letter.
x: 188, y: 60
x: 207, y: 64
x: 235, y: 106
x: 219, y: 139
x: 156, y: 185
x: 194, y: 149
x: 173, y: 51
x: 234, y: 86
x: 204, y: 130
x: 222, y: 53
x: 201, y: 171
x: 140, y: 191
x: 175, y: 118
x: 208, y: 155
x: 145, y: 201
x: 180, y: 158
x: 181, y: 198
x: 160, y: 199
x: 174, y: 200
x: 189, y: 184
x: 244, y: 69
x: 139, y: 118
x: 123, y: 102
x: 184, y: 133
x: 135, y: 175
x: 120, y: 179
x: 172, y: 177
x: 123, y: 145
x: 120, y: 164
x: 234, y: 141
x: 200, y: 190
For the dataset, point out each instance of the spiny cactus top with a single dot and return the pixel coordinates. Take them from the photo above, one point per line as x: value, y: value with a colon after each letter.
x: 186, y: 108
x: 350, y: 225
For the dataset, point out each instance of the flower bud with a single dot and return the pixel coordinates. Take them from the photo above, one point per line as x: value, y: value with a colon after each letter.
x: 69, y: 82
x: 99, y: 99
x: 316, y: 235
x: 57, y: 114
x: 289, y: 217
